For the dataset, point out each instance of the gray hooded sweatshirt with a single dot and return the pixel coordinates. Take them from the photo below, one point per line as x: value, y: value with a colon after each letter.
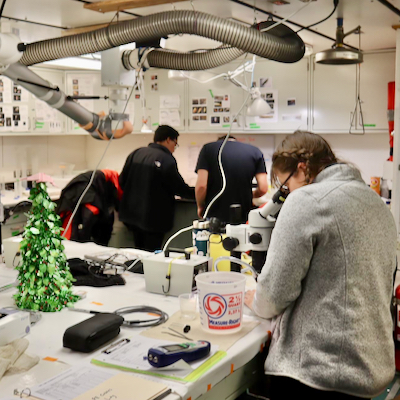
x: 327, y: 282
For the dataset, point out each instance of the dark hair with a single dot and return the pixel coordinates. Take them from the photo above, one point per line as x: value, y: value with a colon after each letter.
x: 302, y: 146
x: 163, y: 132
x: 224, y: 136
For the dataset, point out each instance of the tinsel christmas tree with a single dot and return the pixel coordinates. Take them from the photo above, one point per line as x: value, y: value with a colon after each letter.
x: 44, y: 277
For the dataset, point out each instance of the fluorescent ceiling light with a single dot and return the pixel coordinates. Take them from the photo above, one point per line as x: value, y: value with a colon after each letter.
x: 76, y: 62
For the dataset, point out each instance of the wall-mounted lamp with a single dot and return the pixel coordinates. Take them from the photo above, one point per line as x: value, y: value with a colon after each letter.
x: 145, y: 128
x: 257, y: 106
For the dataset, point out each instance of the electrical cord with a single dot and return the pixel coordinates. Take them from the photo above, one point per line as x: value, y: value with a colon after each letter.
x: 168, y: 276
x: 221, y: 168
x: 9, y: 212
x: 335, y: 3
x: 2, y: 8
x: 287, y: 18
x: 188, y: 228
x: 97, y: 166
x: 162, y: 316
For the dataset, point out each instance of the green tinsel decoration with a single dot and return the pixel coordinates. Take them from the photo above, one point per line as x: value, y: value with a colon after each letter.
x: 45, y: 280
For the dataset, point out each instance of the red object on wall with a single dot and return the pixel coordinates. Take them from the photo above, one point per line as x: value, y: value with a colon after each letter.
x: 391, y: 93
x: 397, y: 328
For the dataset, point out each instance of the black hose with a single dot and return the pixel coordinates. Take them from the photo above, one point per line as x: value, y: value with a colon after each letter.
x: 335, y: 4
x: 2, y: 7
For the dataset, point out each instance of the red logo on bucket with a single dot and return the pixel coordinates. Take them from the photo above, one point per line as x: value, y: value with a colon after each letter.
x: 214, y: 305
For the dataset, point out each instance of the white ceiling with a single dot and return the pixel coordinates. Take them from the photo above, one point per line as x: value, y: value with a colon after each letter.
x: 375, y: 19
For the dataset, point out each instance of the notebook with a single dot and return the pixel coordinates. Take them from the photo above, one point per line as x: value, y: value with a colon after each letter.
x: 126, y: 387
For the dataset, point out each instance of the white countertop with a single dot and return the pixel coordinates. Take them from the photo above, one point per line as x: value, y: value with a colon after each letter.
x: 46, y: 336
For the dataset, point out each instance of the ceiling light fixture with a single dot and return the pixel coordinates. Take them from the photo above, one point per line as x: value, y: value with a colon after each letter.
x: 76, y: 62
x: 339, y: 54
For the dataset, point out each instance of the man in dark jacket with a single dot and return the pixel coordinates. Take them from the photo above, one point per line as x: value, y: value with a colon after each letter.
x: 150, y: 180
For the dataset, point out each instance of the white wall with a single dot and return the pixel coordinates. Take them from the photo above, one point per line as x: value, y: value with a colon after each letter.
x: 41, y: 153
x: 367, y: 152
x: 45, y: 153
x: 186, y: 155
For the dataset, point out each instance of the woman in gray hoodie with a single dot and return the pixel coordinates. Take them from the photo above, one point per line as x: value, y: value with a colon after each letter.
x: 328, y: 279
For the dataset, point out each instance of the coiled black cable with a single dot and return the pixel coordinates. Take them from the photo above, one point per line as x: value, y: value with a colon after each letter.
x: 162, y: 316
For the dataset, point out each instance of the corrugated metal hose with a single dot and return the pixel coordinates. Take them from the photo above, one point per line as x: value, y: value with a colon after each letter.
x: 279, y: 44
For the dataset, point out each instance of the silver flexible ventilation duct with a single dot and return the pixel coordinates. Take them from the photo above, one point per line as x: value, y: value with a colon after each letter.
x: 278, y: 44
x: 238, y: 38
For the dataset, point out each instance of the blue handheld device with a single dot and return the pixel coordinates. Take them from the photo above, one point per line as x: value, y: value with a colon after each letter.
x: 166, y: 355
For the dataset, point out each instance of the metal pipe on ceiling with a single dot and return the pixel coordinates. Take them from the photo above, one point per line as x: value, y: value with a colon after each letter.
x: 390, y: 6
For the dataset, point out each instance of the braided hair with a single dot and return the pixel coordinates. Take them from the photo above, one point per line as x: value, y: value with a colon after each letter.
x: 302, y: 146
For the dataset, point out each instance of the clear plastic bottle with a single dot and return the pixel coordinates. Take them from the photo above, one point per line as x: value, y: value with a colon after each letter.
x: 384, y: 188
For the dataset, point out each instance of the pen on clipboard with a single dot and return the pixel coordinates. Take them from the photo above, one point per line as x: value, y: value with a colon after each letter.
x: 116, y: 346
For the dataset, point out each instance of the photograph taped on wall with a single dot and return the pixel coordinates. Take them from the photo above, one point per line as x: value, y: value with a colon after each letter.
x: 215, y: 120
x: 80, y: 85
x: 20, y: 94
x: 222, y: 103
x: 6, y: 90
x: 6, y: 117
x: 199, y: 110
x: 266, y: 82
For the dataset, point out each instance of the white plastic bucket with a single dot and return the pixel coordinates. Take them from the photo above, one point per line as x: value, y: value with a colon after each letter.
x: 221, y: 297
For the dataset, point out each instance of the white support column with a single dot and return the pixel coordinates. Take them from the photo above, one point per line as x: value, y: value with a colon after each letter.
x: 396, y: 144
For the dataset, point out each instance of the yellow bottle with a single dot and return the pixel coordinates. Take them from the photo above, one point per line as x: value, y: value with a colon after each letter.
x: 217, y: 250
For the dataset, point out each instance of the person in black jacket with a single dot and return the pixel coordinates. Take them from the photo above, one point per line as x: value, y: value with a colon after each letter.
x: 150, y: 180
